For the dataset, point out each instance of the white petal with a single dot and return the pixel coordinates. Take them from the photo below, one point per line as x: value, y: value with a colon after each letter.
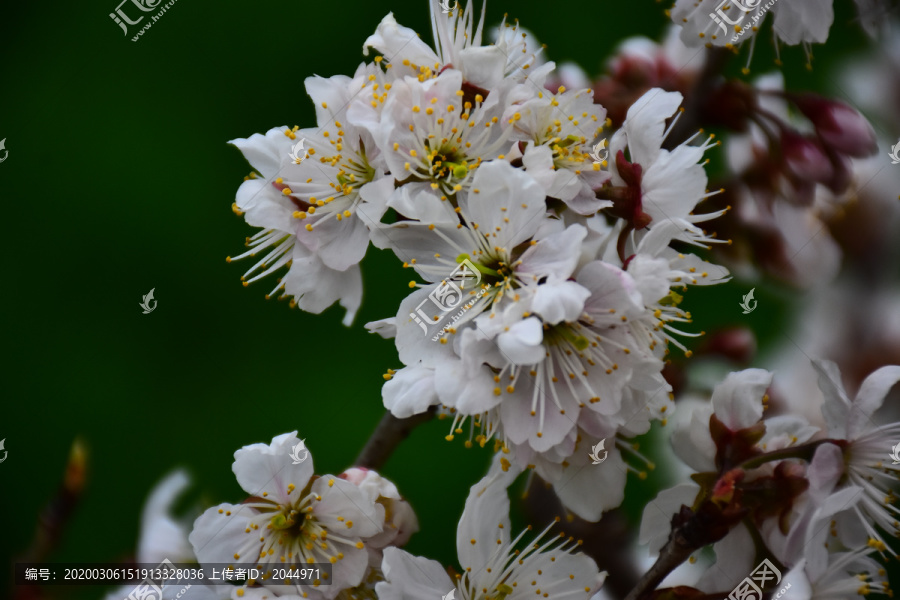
x: 521, y: 344
x: 836, y: 408
x: 162, y: 536
x: 737, y: 401
x: 345, y: 509
x: 485, y: 518
x: 553, y: 256
x: 409, y: 577
x: 397, y: 43
x: 562, y: 301
x: 269, y: 468
x: 508, y: 206
x: 803, y: 22
x: 692, y: 442
x: 589, y: 490
x: 410, y: 391
x: 870, y: 398
x: 645, y: 124
x: 217, y: 536
x: 656, y: 522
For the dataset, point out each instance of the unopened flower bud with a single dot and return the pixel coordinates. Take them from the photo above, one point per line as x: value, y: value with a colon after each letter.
x: 840, y: 126
x: 805, y: 158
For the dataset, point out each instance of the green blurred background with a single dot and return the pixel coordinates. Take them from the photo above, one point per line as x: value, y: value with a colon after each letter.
x: 119, y: 180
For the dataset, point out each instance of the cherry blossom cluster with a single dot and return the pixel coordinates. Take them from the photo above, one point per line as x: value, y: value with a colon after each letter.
x: 552, y: 234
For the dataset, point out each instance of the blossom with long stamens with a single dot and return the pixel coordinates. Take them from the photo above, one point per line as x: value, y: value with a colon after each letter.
x: 492, y: 566
x: 434, y: 138
x: 865, y: 447
x: 292, y: 518
x: 653, y: 184
x: 500, y: 217
x: 458, y: 44
x: 559, y: 130
x: 311, y: 209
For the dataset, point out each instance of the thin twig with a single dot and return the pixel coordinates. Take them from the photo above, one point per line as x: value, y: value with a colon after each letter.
x: 676, y: 551
x: 387, y: 436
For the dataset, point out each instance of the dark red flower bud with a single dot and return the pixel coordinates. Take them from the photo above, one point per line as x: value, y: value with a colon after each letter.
x: 804, y: 158
x: 840, y: 126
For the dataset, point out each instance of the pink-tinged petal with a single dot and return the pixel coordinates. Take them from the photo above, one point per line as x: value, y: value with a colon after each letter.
x: 269, y: 468
x: 737, y: 401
